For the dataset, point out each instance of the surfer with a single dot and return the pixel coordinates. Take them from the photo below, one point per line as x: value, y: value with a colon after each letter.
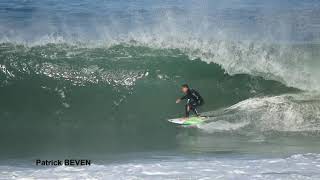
x: 193, y: 98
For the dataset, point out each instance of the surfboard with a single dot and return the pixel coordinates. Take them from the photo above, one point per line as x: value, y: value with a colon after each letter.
x: 188, y: 121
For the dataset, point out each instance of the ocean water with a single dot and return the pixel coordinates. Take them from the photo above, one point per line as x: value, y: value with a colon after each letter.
x: 98, y: 79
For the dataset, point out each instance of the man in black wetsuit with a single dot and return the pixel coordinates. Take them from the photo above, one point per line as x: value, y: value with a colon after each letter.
x: 194, y: 99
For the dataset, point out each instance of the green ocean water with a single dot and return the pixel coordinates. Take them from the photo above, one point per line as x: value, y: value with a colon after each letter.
x: 62, y: 99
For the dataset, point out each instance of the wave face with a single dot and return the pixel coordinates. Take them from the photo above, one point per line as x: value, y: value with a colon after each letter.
x: 70, y: 94
x: 104, y: 75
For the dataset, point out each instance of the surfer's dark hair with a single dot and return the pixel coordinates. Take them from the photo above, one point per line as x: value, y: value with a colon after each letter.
x: 185, y: 86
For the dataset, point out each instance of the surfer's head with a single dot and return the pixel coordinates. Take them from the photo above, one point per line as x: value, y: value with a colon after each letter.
x: 184, y: 88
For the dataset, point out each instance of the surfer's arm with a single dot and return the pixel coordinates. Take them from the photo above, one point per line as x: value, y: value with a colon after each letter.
x: 182, y: 98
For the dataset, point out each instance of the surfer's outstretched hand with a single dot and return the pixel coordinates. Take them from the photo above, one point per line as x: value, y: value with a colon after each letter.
x: 178, y: 100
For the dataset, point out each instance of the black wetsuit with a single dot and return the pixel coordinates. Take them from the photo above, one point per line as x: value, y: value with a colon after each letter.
x: 194, y: 100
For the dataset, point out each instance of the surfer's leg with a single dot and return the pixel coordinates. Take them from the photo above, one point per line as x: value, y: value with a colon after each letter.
x: 195, y: 111
x: 193, y: 106
x: 187, y: 109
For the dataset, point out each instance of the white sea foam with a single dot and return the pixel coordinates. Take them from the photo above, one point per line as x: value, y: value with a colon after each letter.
x: 285, y: 113
x: 222, y: 125
x: 299, y: 166
x: 295, y: 67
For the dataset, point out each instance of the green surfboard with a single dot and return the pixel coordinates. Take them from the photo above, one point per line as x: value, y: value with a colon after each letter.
x: 188, y: 121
